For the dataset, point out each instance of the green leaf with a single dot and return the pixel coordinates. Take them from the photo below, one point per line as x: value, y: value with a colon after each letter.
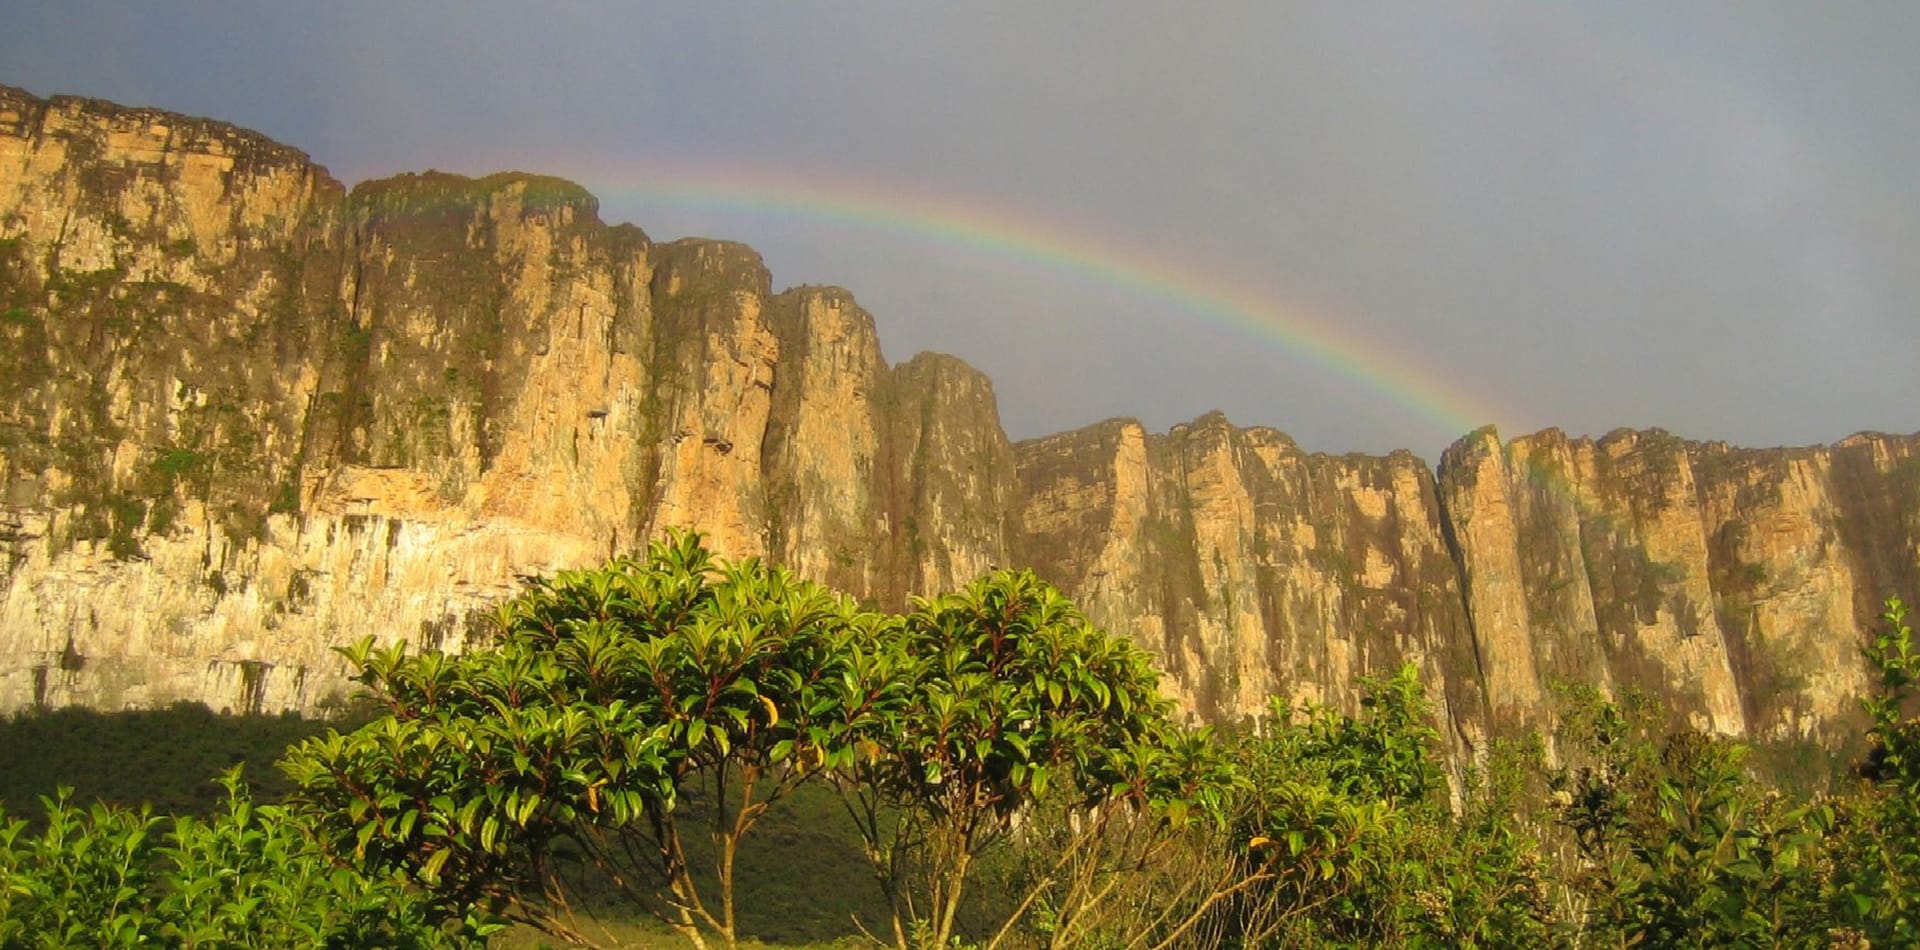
x: 430, y: 872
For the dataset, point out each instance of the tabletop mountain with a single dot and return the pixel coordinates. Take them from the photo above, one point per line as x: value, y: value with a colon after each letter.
x: 247, y: 414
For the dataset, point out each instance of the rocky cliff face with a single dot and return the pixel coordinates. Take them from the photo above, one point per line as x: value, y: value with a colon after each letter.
x: 1732, y: 583
x: 246, y: 414
x: 1252, y: 568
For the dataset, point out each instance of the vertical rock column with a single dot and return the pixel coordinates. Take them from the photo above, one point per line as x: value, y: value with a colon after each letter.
x: 823, y: 446
x: 714, y: 373
x: 1586, y: 563
x: 951, y: 485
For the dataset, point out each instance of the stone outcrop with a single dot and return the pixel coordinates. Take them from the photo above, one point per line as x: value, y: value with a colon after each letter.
x: 247, y: 414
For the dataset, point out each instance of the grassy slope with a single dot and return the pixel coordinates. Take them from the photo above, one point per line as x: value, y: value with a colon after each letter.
x: 801, y: 875
x: 167, y: 758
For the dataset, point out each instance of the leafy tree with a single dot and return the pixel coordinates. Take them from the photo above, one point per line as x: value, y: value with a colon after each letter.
x: 513, y: 776
x: 1501, y: 873
x: 1344, y: 822
x: 1137, y: 868
x: 1014, y: 696
x: 1677, y: 845
x: 1879, y: 865
x: 1388, y: 753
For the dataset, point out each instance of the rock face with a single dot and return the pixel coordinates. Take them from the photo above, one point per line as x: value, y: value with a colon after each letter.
x: 1252, y: 568
x: 246, y: 414
x: 1731, y: 583
x: 249, y: 415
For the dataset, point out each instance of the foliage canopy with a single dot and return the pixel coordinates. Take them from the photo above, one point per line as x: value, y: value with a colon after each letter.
x: 630, y: 726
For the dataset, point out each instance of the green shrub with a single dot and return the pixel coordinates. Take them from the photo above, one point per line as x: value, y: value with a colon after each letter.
x: 1347, y: 823
x: 249, y: 876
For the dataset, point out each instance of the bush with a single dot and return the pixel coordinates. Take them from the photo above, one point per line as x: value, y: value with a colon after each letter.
x: 249, y: 876
x: 1346, y: 822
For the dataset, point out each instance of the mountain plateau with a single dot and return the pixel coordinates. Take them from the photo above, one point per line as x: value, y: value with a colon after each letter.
x: 247, y: 414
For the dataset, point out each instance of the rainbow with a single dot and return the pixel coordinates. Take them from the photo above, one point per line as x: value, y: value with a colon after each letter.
x: 974, y: 228
x: 977, y: 228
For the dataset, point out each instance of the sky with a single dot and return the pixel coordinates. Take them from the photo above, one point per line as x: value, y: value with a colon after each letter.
x: 1369, y: 225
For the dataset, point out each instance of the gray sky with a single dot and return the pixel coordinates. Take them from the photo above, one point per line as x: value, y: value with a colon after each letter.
x: 1704, y: 217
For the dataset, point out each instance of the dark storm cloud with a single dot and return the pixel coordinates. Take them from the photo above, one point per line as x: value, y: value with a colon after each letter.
x: 1694, y: 216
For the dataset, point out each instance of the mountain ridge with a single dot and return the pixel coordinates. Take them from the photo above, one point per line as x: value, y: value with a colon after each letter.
x: 250, y: 412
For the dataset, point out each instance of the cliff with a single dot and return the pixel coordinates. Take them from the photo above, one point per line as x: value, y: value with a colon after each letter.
x: 247, y: 414
x: 1734, y: 584
x: 1251, y: 567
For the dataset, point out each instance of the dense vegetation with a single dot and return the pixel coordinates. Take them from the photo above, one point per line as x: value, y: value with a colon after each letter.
x: 658, y: 738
